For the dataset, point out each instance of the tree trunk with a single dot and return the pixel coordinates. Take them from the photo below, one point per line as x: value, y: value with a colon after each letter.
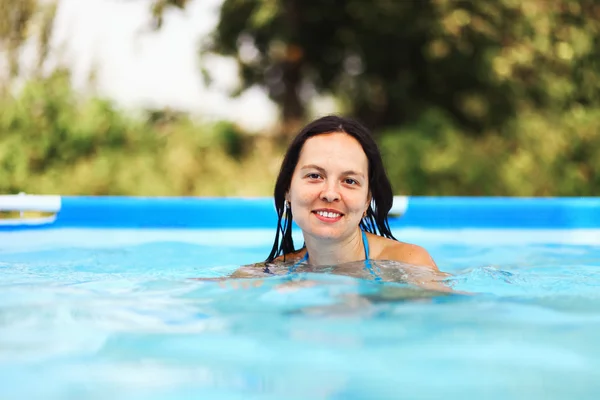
x: 293, y: 110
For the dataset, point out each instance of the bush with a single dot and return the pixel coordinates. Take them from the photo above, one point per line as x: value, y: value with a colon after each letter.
x: 51, y: 141
x: 536, y: 154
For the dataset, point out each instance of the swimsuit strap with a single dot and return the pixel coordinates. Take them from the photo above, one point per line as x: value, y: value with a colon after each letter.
x: 365, y: 244
x: 368, y: 266
x: 293, y: 267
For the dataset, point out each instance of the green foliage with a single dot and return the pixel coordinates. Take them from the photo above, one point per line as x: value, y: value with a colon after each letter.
x: 468, y: 98
x: 536, y: 154
x: 51, y: 141
x: 158, y: 9
x: 20, y: 21
x: 391, y: 61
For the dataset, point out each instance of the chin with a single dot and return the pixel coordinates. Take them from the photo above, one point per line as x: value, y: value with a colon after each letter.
x: 325, y: 233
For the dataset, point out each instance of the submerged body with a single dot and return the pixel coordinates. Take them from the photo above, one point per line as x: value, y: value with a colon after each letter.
x: 375, y: 268
x: 379, y: 270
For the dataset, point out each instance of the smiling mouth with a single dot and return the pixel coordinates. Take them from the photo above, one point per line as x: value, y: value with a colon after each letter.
x: 328, y: 214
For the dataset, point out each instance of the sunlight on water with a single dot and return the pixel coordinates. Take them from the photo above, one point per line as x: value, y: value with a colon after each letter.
x: 86, y: 317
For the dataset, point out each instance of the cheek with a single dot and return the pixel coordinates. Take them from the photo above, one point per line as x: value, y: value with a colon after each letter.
x: 303, y: 199
x: 302, y: 194
x: 361, y: 204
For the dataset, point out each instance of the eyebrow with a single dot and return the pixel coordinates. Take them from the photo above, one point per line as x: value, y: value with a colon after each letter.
x: 320, y: 169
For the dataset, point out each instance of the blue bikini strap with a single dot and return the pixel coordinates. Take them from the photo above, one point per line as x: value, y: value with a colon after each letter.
x: 293, y: 267
x: 365, y: 244
x: 368, y: 266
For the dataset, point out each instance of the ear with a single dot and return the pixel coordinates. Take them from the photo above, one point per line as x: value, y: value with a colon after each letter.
x: 369, y: 199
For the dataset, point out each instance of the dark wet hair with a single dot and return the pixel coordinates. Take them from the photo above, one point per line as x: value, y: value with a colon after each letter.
x: 376, y: 219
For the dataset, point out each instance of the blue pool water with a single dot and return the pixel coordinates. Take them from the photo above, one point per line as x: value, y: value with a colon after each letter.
x: 113, y: 313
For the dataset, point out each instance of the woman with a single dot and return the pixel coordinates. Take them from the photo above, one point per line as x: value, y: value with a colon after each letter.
x: 333, y: 185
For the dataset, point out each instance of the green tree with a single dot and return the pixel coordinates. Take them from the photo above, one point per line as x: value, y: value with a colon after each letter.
x: 19, y: 22
x: 390, y: 61
x: 15, y: 18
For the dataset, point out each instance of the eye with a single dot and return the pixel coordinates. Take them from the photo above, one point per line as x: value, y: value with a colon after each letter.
x: 350, y: 181
x: 313, y: 175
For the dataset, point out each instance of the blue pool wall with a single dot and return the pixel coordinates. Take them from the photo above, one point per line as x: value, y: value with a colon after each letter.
x: 241, y: 213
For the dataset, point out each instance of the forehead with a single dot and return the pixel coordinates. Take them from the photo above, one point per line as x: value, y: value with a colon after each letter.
x: 334, y: 149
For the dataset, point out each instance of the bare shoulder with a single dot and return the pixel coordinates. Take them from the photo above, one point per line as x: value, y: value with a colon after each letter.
x: 295, y: 256
x: 416, y: 255
x: 259, y: 269
x: 388, y: 249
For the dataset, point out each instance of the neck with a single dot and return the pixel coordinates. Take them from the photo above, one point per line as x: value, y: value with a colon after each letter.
x: 333, y: 252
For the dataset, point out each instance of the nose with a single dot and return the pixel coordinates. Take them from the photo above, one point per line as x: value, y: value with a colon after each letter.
x: 330, y: 192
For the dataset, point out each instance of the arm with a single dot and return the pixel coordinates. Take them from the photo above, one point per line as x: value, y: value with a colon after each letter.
x: 415, y: 255
x: 428, y: 276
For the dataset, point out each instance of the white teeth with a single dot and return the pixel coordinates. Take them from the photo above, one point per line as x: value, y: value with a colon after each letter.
x: 328, y: 214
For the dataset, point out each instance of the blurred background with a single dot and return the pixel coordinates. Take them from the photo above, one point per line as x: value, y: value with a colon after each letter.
x: 201, y: 97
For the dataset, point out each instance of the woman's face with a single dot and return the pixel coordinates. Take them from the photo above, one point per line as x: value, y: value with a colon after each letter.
x: 329, y: 191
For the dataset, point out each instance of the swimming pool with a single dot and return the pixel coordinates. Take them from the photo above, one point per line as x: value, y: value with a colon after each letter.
x: 97, y: 302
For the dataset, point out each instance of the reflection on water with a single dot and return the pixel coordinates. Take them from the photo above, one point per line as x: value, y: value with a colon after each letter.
x: 133, y: 323
x: 375, y: 270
